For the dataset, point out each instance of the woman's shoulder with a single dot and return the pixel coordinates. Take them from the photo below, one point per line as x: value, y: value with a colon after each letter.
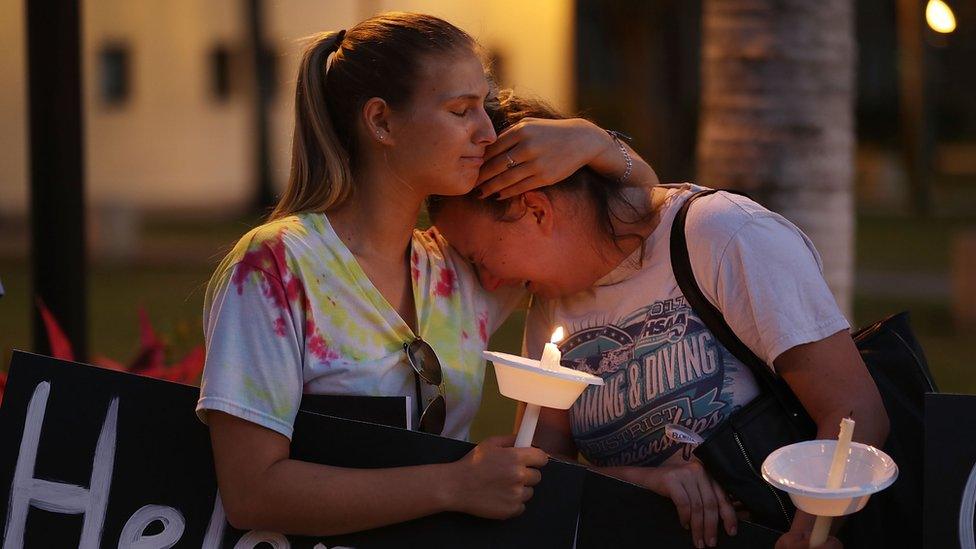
x: 276, y: 236
x: 432, y: 241
x: 438, y: 249
x: 438, y: 254
x: 268, y: 247
x: 720, y: 216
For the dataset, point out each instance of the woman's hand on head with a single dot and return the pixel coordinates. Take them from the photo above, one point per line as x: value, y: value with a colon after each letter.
x: 700, y: 501
x: 494, y: 480
x: 536, y: 152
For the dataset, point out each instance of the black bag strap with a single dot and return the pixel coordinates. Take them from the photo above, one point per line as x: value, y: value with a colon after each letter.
x: 712, y: 317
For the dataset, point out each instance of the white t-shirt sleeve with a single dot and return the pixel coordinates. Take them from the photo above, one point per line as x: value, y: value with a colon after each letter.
x: 764, y: 275
x: 253, y: 367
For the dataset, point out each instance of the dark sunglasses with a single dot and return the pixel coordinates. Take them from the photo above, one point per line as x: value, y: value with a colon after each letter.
x: 427, y: 367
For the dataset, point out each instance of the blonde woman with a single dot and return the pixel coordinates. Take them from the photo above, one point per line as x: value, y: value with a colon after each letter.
x: 338, y: 293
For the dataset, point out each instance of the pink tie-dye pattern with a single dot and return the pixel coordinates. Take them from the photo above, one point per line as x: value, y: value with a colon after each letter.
x: 269, y: 258
x: 483, y: 327
x: 446, y: 284
x: 280, y: 327
x: 317, y: 345
x: 415, y: 266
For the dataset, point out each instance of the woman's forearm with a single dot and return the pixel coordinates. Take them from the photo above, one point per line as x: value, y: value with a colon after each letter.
x: 310, y: 499
x: 871, y: 422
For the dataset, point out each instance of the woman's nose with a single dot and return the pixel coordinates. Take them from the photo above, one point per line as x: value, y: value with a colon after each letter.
x: 485, y: 134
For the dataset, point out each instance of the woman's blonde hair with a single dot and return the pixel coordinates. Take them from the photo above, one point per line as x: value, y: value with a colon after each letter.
x: 379, y: 57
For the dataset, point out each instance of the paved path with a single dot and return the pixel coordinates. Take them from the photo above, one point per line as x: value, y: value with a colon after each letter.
x: 933, y: 286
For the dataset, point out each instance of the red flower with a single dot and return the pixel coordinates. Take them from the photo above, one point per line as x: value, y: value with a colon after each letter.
x: 152, y: 352
x: 60, y: 345
x: 150, y: 359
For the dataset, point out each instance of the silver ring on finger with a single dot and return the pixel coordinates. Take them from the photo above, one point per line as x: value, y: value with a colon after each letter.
x: 511, y: 161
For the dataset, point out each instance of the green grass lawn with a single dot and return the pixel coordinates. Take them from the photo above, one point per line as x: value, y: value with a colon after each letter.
x: 907, y: 243
x: 173, y: 296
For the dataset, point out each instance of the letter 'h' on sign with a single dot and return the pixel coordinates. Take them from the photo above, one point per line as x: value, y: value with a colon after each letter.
x: 60, y: 497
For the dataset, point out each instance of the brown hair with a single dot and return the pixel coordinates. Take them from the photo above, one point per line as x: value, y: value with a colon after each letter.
x: 379, y: 57
x: 605, y: 194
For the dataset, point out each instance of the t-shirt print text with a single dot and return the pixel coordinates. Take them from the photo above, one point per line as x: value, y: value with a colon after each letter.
x: 660, y: 365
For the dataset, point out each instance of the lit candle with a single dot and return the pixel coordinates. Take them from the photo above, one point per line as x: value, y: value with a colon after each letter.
x: 550, y: 354
x: 835, y: 477
x: 550, y: 359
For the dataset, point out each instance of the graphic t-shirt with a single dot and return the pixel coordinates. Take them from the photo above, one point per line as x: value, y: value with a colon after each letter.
x: 290, y: 311
x: 659, y: 362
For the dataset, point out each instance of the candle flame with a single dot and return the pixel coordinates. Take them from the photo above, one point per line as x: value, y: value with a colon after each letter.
x: 939, y: 16
x: 557, y: 336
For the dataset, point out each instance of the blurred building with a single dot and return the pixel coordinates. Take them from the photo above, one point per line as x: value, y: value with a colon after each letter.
x: 170, y: 106
x: 167, y: 94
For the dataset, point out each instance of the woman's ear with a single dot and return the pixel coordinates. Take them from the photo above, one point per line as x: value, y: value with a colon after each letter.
x: 376, y: 119
x: 539, y: 209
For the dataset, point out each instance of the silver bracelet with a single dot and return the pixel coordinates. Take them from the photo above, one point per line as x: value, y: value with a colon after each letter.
x: 623, y: 150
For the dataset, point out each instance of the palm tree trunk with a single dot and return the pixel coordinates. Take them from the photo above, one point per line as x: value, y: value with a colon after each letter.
x: 777, y: 116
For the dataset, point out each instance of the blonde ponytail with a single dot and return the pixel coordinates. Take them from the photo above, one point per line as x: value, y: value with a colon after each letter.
x: 320, y: 175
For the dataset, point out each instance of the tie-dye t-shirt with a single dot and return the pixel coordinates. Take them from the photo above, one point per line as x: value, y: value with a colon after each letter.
x: 659, y: 362
x: 290, y: 311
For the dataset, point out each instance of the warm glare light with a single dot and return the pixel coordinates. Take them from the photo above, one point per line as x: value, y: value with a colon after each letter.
x: 557, y: 336
x: 939, y: 16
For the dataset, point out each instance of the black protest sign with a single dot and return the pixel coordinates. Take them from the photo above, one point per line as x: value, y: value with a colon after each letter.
x: 89, y: 458
x: 549, y: 519
x: 950, y: 471
x: 95, y: 458
x: 617, y: 514
x: 389, y: 411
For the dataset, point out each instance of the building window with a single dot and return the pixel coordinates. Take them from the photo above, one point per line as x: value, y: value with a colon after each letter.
x: 220, y: 62
x: 114, y: 74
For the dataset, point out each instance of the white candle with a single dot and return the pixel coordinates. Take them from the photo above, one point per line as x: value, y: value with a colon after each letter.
x: 835, y: 477
x: 550, y: 354
x: 526, y: 430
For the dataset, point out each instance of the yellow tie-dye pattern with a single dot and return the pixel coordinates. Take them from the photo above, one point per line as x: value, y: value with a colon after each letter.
x: 259, y: 392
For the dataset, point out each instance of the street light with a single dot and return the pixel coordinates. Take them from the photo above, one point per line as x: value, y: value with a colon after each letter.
x: 939, y: 16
